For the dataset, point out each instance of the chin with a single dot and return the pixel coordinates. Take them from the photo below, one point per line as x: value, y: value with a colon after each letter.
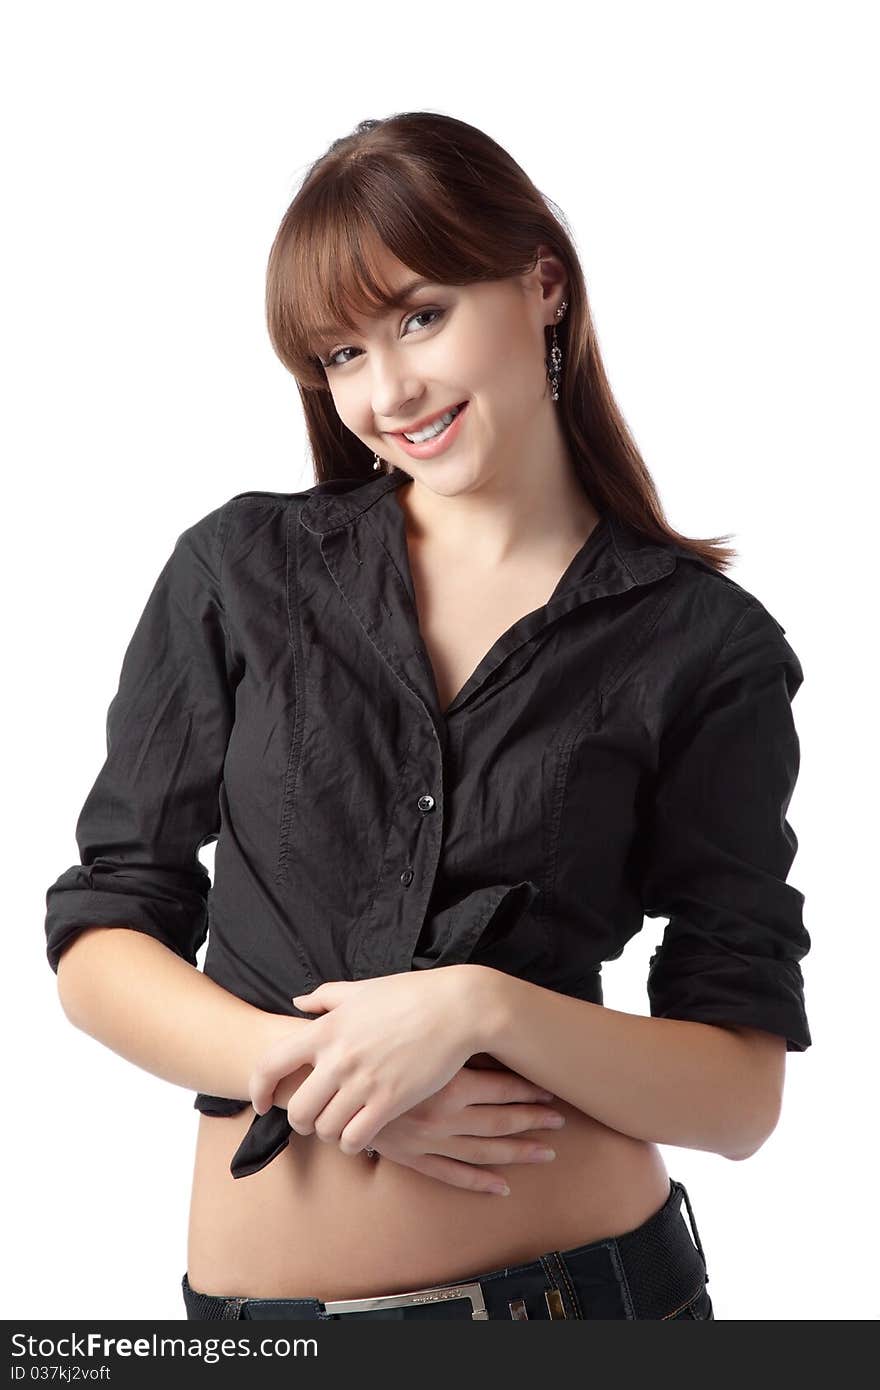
x: 448, y: 482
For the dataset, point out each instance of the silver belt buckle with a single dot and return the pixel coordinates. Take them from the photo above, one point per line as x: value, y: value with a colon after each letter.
x: 440, y: 1293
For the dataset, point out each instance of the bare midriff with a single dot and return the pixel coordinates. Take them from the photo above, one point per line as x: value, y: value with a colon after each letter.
x: 318, y: 1223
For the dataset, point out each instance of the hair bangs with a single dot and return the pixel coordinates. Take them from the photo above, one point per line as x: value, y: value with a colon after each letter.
x: 325, y: 276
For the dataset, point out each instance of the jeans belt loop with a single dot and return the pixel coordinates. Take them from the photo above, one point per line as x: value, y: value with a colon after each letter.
x: 696, y: 1233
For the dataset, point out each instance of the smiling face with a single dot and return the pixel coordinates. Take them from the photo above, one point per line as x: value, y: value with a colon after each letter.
x: 481, y: 346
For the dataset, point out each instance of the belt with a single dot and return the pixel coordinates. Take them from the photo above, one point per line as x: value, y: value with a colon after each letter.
x: 654, y: 1271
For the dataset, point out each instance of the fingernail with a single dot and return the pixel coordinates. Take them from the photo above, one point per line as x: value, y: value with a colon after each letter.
x: 543, y: 1155
x: 555, y: 1121
x: 546, y: 1095
x: 501, y: 1188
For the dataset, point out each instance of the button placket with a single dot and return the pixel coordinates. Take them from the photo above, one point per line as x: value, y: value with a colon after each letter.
x: 386, y: 612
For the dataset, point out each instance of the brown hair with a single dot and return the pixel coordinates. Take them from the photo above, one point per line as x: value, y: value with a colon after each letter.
x: 453, y: 206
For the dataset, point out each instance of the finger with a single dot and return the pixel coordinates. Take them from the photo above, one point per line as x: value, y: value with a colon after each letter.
x: 363, y: 1126
x: 324, y: 997
x: 482, y: 1085
x: 283, y: 1057
x: 331, y: 1124
x: 456, y: 1174
x: 314, y: 1003
x: 496, y: 1151
x: 506, y: 1119
x: 315, y: 1106
x: 539, y: 1094
x: 528, y: 1090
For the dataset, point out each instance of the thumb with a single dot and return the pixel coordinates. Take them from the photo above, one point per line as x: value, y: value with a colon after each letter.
x: 326, y: 996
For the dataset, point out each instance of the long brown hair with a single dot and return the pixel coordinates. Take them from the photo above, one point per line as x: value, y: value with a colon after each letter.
x: 453, y: 206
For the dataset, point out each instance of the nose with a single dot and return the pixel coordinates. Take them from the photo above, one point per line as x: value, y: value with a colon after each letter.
x: 393, y: 387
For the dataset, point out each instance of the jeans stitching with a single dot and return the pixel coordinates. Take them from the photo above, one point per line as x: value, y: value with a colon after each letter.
x: 551, y: 1277
x: 281, y: 1302
x: 569, y: 1284
x: 617, y: 1262
x: 688, y: 1303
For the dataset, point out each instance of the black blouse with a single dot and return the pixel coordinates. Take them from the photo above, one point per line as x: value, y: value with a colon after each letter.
x: 627, y: 749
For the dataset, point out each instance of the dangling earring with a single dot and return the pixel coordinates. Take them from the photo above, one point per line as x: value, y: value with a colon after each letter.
x: 556, y: 356
x: 378, y: 463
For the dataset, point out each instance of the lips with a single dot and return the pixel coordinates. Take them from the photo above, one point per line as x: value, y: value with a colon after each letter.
x: 435, y: 444
x: 427, y: 419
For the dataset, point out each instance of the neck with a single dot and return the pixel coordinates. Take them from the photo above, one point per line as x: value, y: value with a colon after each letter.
x: 521, y: 506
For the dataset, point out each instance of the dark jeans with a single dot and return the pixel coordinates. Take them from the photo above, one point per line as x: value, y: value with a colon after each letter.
x: 656, y: 1271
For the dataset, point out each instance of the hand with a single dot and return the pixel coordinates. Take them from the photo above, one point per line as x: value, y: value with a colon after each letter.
x: 382, y: 1046
x: 437, y: 1138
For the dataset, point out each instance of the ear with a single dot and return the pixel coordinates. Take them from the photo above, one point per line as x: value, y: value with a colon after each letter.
x: 548, y: 281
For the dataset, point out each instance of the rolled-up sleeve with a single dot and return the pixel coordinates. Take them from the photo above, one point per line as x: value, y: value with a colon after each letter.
x: 155, y: 801
x: 719, y: 846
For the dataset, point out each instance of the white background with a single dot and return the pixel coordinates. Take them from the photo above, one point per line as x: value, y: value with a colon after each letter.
x: 716, y: 166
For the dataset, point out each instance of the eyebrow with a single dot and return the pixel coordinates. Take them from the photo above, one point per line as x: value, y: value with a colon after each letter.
x: 394, y: 301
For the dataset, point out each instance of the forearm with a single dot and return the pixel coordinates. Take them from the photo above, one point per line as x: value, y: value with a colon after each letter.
x: 138, y: 998
x: 668, y: 1081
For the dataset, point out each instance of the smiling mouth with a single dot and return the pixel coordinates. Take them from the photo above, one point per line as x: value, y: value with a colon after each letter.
x: 451, y: 410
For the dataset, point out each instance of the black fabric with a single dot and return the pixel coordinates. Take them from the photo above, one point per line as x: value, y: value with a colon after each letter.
x: 626, y: 749
x: 203, y: 1307
x: 656, y: 1258
x: 654, y: 1272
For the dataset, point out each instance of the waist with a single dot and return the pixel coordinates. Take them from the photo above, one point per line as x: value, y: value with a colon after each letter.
x: 657, y: 1270
x: 298, y: 1227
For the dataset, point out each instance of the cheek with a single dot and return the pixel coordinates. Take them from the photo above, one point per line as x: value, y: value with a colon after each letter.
x: 504, y: 364
x: 479, y: 365
x: 509, y: 383
x: 352, y: 410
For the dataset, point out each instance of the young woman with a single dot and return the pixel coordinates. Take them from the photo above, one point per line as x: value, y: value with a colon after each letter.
x: 458, y: 716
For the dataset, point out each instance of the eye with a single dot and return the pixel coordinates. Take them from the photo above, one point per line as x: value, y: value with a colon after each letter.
x: 421, y: 314
x: 329, y: 362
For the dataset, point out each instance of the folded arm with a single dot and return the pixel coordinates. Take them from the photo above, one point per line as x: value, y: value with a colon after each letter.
x: 667, y: 1081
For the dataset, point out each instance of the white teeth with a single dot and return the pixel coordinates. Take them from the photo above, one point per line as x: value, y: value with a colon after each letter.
x: 436, y: 427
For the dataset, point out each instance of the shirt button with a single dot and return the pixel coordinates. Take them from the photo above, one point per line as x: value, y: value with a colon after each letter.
x: 426, y: 803
x: 406, y: 877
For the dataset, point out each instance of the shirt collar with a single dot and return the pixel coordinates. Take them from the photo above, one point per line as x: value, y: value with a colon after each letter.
x: 362, y: 532
x: 338, y: 501
x: 613, y: 543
